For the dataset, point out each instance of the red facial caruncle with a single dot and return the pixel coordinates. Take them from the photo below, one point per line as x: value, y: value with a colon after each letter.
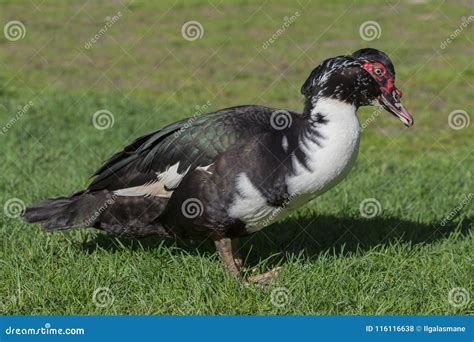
x: 389, y: 94
x: 380, y: 73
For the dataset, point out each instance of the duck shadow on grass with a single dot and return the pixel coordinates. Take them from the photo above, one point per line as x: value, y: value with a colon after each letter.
x: 308, y: 237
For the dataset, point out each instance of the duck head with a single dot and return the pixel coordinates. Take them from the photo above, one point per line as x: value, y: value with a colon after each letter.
x: 360, y: 79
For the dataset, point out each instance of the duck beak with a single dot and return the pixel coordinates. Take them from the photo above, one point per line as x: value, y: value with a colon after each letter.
x: 390, y: 101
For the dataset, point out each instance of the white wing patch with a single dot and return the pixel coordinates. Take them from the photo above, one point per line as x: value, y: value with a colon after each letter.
x: 247, y: 199
x: 284, y: 143
x: 170, y: 178
x: 250, y: 206
x: 205, y: 168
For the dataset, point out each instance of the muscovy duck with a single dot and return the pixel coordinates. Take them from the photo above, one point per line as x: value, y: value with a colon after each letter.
x: 230, y: 173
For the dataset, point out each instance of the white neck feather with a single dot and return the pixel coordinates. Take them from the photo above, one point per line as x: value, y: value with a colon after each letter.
x: 333, y: 110
x: 331, y: 160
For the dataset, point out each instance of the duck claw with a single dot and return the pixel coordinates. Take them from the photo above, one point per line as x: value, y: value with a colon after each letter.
x: 264, y: 279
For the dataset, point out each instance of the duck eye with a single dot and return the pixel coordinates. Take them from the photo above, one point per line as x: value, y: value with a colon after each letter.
x: 378, y: 71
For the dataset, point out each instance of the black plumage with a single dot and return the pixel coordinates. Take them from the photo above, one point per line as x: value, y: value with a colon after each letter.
x: 221, y: 163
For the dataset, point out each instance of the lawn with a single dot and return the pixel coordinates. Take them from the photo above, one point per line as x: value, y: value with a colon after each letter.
x: 413, y: 254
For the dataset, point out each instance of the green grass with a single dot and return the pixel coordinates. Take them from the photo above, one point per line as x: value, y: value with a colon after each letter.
x: 405, y: 260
